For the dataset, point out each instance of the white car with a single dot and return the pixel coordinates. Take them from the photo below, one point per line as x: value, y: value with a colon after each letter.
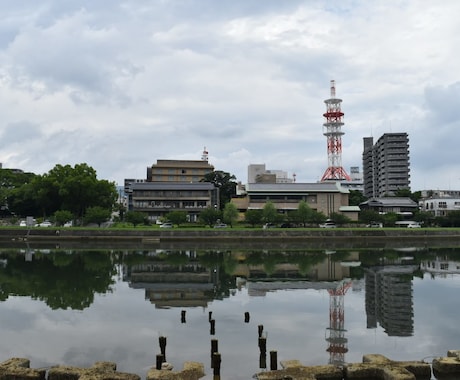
x: 166, y: 225
x: 22, y: 223
x: 328, y: 224
x: 46, y: 223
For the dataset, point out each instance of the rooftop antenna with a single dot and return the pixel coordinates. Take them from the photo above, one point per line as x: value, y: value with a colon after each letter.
x: 204, y: 155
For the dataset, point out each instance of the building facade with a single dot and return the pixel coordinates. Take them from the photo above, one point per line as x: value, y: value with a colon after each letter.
x: 179, y: 170
x: 440, y: 206
x: 156, y: 199
x: 325, y: 197
x: 386, y: 165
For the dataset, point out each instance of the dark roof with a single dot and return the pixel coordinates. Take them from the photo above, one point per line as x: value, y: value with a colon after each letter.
x: 390, y: 202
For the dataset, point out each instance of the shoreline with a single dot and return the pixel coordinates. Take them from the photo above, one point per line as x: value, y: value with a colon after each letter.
x: 229, y: 238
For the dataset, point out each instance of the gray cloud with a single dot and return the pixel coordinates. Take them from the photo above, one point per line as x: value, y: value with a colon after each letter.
x: 121, y: 85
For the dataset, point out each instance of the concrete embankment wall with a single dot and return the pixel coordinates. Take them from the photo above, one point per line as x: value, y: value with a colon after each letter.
x: 314, y: 238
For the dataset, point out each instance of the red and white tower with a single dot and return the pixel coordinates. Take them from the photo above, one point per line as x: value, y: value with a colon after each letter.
x: 333, y: 131
x: 338, y: 343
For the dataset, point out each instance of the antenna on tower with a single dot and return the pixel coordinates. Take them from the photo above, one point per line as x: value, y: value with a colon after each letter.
x: 204, y: 155
x: 332, y: 88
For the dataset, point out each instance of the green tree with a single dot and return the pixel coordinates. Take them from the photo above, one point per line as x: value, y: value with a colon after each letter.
x: 62, y: 216
x: 177, y: 217
x: 355, y: 198
x: 226, y: 183
x: 368, y: 216
x: 390, y: 218
x: 230, y: 213
x: 97, y: 215
x: 210, y: 216
x: 11, y: 180
x: 303, y: 213
x: 317, y: 217
x: 136, y: 218
x: 339, y: 219
x: 253, y: 217
x: 269, y: 213
x: 64, y: 188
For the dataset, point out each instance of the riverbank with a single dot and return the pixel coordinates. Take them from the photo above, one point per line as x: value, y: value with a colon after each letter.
x: 231, y: 238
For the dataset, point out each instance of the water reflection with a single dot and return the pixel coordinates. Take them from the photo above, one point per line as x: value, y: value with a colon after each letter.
x: 297, y: 293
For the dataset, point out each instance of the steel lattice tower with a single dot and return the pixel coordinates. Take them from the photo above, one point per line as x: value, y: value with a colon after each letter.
x: 338, y: 343
x: 333, y: 132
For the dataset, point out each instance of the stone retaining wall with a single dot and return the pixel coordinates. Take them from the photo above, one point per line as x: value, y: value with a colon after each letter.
x: 373, y: 367
x: 232, y: 238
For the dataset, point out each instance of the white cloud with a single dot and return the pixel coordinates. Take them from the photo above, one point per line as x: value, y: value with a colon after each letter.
x: 121, y: 85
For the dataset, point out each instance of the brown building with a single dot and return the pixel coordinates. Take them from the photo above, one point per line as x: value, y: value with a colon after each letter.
x: 325, y: 197
x: 178, y: 171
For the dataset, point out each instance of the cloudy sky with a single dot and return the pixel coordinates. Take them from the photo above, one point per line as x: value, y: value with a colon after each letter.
x: 119, y: 84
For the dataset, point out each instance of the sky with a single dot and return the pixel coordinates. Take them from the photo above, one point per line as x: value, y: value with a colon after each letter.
x: 120, y: 84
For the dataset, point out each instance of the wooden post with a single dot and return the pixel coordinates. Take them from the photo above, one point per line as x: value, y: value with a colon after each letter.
x: 246, y: 317
x: 260, y: 330
x: 263, y: 345
x: 160, y: 360
x: 210, y: 316
x: 214, y: 349
x: 262, y: 360
x: 162, y: 341
x: 273, y: 360
x: 182, y: 316
x: 213, y: 326
x: 216, y: 360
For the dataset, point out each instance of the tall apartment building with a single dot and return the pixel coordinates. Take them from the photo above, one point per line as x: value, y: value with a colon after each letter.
x: 386, y: 165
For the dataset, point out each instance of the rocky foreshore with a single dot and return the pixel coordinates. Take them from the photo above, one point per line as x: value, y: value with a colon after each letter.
x: 373, y: 367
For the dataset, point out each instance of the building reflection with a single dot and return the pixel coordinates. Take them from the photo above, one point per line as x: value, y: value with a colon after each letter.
x: 185, y: 284
x: 389, y: 297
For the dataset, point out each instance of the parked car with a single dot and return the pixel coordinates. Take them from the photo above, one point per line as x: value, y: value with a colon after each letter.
x: 328, y: 224
x: 375, y: 225
x: 22, y: 223
x: 220, y: 225
x: 269, y: 225
x: 414, y: 225
x: 167, y: 225
x: 46, y: 223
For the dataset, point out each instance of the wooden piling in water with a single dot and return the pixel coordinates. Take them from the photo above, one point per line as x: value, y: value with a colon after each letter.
x: 182, y: 316
x: 260, y: 330
x: 263, y: 344
x: 246, y: 317
x: 216, y: 360
x: 273, y: 360
x: 213, y: 326
x: 159, y: 362
x: 162, y: 341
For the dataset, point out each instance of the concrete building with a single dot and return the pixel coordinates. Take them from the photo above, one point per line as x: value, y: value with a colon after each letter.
x: 440, y: 205
x: 179, y: 170
x: 156, y: 199
x: 325, y: 197
x: 257, y: 173
x: 386, y: 164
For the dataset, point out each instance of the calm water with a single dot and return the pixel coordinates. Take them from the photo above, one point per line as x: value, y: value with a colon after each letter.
x: 78, y: 307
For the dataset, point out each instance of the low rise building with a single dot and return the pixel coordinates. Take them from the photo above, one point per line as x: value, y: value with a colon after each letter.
x: 156, y: 199
x: 325, y: 197
x: 403, y: 206
x: 440, y: 206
